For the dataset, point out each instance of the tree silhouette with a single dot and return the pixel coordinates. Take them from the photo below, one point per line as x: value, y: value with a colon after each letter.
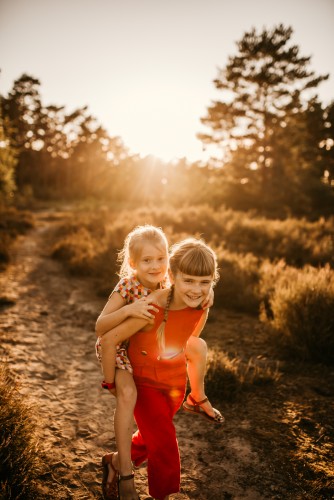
x: 267, y: 89
x: 59, y: 153
x: 8, y: 160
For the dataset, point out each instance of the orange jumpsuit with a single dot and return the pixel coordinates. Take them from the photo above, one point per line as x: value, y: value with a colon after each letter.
x: 161, y: 382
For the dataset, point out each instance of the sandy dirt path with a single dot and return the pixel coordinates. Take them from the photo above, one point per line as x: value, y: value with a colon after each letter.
x: 49, y: 339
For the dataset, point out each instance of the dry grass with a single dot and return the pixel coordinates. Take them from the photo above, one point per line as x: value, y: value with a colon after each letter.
x: 300, y: 309
x: 255, y: 257
x: 226, y: 377
x: 20, y: 455
x: 25, y: 471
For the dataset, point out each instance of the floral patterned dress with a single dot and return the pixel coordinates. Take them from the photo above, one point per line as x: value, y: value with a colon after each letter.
x: 130, y: 289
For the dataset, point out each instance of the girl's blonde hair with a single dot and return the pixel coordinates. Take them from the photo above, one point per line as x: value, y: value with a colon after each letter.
x: 195, y: 258
x: 133, y: 245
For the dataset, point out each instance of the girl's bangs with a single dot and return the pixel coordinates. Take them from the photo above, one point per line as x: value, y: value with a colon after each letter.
x: 197, y: 264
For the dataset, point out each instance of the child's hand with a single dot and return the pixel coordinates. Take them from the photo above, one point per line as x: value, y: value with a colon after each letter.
x: 208, y: 302
x: 142, y: 309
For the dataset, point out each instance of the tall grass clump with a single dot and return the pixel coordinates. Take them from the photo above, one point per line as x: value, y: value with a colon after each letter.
x: 20, y: 460
x: 226, y: 377
x: 300, y: 308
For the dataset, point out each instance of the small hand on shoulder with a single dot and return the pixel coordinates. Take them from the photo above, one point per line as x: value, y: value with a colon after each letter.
x: 208, y: 301
x: 143, y: 308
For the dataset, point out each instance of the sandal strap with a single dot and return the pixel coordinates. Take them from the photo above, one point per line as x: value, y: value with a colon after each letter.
x: 126, y: 478
x: 107, y: 459
x: 197, y: 403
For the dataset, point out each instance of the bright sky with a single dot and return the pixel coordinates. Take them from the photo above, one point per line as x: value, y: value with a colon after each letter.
x: 145, y: 67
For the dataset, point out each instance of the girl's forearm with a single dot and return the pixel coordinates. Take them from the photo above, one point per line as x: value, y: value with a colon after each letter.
x: 114, y: 337
x: 107, y: 322
x: 123, y: 331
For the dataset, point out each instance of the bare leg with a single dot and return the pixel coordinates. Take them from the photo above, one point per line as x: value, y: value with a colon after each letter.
x: 196, y: 353
x: 123, y: 424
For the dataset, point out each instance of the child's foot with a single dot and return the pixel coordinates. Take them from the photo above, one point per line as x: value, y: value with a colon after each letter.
x: 203, y: 408
x: 126, y: 488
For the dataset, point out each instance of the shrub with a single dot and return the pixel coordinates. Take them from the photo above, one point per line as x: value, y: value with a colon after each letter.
x: 20, y: 461
x: 79, y: 250
x: 12, y: 223
x: 221, y: 379
x: 297, y: 241
x: 301, y: 311
x: 237, y: 288
x: 244, y: 243
x: 5, y: 244
x: 226, y: 377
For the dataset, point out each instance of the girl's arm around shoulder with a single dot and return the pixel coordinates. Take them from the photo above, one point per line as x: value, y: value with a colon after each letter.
x: 208, y: 301
x: 131, y: 325
x: 114, y: 312
x: 123, y: 331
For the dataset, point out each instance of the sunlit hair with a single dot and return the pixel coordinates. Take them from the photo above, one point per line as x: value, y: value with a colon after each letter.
x: 195, y: 258
x: 134, y: 243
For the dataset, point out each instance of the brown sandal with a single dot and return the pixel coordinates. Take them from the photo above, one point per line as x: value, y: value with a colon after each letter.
x: 196, y: 408
x: 109, y: 489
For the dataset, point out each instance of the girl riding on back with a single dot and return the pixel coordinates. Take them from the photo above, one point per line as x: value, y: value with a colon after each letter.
x: 157, y: 355
x: 144, y: 262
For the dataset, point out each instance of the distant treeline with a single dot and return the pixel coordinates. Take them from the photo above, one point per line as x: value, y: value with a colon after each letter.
x: 270, y: 138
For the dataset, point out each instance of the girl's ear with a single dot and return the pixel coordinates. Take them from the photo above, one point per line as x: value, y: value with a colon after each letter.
x: 132, y: 264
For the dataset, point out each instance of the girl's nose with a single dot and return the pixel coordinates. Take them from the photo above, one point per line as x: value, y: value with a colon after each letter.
x: 196, y: 287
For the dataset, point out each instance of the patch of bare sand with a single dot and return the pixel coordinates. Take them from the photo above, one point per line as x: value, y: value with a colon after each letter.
x: 48, y: 336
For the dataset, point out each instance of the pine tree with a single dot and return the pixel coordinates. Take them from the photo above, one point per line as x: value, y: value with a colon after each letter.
x: 263, y: 88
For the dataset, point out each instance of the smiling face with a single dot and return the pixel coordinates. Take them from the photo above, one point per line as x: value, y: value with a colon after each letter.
x: 151, y: 265
x: 190, y: 291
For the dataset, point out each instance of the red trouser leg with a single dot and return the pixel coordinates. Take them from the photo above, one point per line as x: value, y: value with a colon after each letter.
x: 138, y: 449
x: 154, y: 413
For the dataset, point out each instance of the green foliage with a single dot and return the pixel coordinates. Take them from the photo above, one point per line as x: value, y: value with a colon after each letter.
x: 299, y: 306
x: 21, y: 462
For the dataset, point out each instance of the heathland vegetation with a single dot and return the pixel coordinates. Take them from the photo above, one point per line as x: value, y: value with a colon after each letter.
x: 264, y: 200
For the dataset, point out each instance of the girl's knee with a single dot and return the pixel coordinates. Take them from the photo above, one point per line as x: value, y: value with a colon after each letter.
x: 196, y: 346
x: 127, y: 394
